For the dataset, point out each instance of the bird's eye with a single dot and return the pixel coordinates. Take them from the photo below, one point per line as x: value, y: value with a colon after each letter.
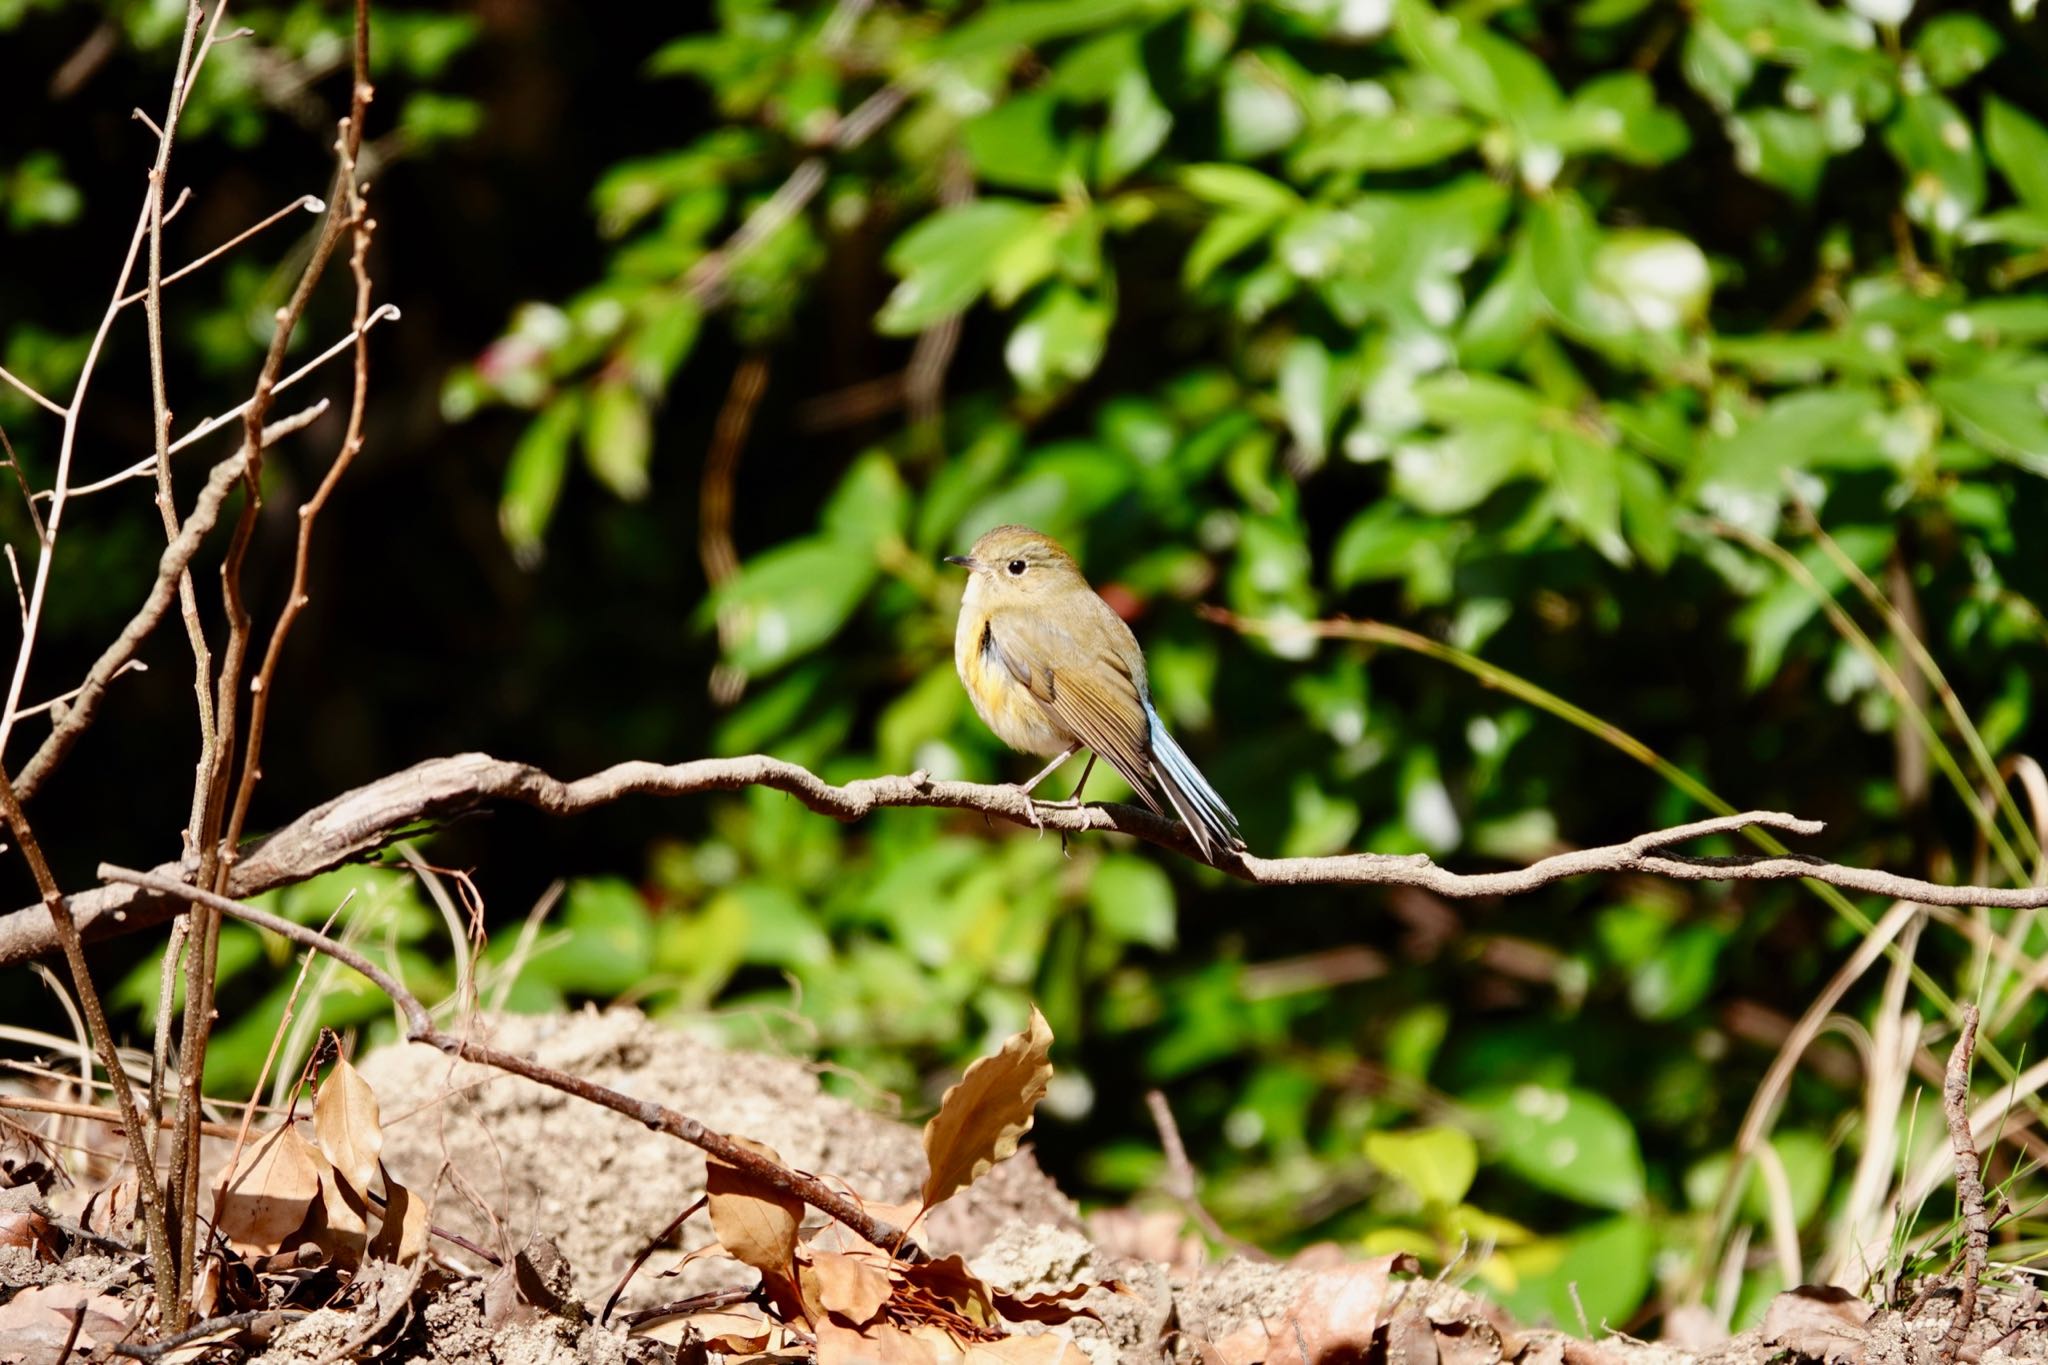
x: 1016, y: 568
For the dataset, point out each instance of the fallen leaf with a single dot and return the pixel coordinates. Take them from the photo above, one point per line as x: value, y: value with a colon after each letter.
x: 752, y: 1219
x: 849, y: 1287
x: 954, y: 1288
x: 30, y: 1231
x: 1411, y: 1339
x: 879, y: 1345
x: 1055, y: 1306
x: 1045, y: 1349
x: 270, y: 1196
x: 402, y: 1237
x: 35, y: 1323
x: 347, y: 1124
x: 1821, y: 1321
x: 1333, y: 1317
x: 981, y: 1119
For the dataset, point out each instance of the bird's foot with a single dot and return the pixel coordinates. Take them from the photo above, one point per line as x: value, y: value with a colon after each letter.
x: 1031, y: 805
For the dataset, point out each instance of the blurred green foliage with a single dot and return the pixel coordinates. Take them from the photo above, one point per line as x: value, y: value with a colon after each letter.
x: 1551, y: 330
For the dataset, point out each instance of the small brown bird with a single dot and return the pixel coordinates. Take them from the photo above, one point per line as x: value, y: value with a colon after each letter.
x: 1053, y: 670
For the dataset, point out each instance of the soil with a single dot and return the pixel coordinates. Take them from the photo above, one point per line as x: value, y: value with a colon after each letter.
x: 571, y: 1194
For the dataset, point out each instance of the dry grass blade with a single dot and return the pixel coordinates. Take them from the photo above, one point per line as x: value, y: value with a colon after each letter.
x: 981, y: 1119
x: 346, y: 1123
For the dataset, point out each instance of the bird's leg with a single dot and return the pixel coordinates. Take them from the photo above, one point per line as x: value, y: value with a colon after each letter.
x: 1048, y: 770
x: 1074, y: 802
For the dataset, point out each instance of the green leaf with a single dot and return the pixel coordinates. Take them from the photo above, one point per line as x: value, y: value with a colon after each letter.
x: 608, y: 943
x: 795, y: 597
x: 1138, y: 125
x: 946, y: 259
x: 1586, y: 475
x: 1781, y: 147
x: 1461, y: 470
x: 1238, y: 187
x: 1002, y: 27
x: 38, y: 195
x: 2019, y: 148
x: 1308, y: 396
x: 1223, y: 237
x: 1601, y: 1276
x: 1933, y: 142
x: 1059, y: 342
x: 2000, y: 411
x: 1437, y: 1163
x: 1570, y: 1142
x: 1131, y: 900
x: 1384, y: 541
x: 1021, y: 145
x: 533, y: 479
x: 1260, y: 115
x: 1678, y: 975
x: 870, y: 506
x: 1954, y: 47
x: 618, y: 436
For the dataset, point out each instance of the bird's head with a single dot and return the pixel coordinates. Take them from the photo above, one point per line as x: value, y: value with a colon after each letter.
x: 1017, y: 563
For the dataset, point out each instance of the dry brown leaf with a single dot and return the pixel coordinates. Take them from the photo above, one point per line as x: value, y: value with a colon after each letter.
x: 347, y: 1125
x: 402, y: 1237
x: 981, y: 1119
x: 849, y: 1287
x: 271, y: 1195
x: 1333, y: 1316
x: 753, y: 1220
x: 1055, y: 1306
x: 880, y: 1344
x: 1821, y: 1321
x: 1044, y: 1349
x: 30, y: 1231
x: 35, y: 1323
x: 954, y: 1288
x: 1411, y: 1339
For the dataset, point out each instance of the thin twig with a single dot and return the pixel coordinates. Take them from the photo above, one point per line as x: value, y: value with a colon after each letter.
x: 709, y: 1302
x: 29, y: 392
x: 420, y: 1029
x: 1955, y: 1103
x: 233, y: 1322
x: 659, y: 1239
x: 150, y: 1196
x: 1182, y: 1182
x: 173, y: 562
x: 387, y: 312
x: 308, y: 203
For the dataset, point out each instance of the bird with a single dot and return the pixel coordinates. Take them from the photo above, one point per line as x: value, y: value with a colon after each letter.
x: 1052, y: 669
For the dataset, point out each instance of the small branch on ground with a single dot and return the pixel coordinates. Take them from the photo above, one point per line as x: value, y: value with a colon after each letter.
x: 1955, y: 1103
x: 420, y: 1029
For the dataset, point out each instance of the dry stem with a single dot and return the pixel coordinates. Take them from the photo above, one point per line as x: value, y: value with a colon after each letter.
x: 420, y: 1029
x: 1955, y: 1103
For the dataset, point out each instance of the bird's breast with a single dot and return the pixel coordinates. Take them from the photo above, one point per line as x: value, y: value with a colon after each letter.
x: 1005, y: 705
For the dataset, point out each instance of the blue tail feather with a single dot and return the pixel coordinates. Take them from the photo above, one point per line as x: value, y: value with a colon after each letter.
x: 1197, y: 803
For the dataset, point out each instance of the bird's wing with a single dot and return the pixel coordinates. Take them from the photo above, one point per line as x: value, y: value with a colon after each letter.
x: 1088, y: 689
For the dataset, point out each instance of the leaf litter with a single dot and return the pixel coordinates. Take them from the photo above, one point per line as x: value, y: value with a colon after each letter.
x: 333, y: 1250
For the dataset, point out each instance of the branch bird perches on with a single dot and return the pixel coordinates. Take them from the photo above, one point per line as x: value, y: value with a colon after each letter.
x: 361, y: 821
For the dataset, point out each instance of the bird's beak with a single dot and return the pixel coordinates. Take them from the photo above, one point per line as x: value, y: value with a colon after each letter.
x: 968, y: 562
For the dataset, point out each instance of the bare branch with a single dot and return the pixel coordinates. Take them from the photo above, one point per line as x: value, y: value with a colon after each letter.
x: 420, y: 1029
x: 307, y: 202
x: 34, y: 397
x: 368, y: 818
x: 143, y: 468
x: 172, y: 563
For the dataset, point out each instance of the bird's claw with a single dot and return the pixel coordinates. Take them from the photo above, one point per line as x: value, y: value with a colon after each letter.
x: 1031, y: 805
